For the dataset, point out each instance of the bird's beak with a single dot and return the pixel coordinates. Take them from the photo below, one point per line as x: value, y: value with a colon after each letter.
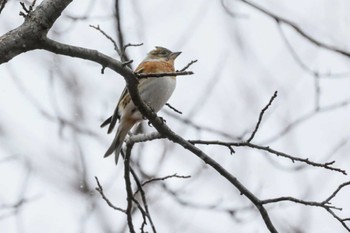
x: 174, y: 55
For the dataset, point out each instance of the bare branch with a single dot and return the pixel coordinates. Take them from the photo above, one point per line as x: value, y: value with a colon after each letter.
x: 336, y: 192
x: 146, y: 213
x: 342, y: 221
x: 27, y: 11
x: 326, y: 165
x: 31, y: 32
x: 188, y: 65
x: 2, y: 5
x: 173, y: 108
x: 123, y: 55
x: 128, y: 187
x: 156, y: 75
x: 261, y: 116
x: 164, y: 178
x: 108, y: 37
x: 123, y: 52
x: 299, y: 201
x: 324, y: 204
x: 99, y: 189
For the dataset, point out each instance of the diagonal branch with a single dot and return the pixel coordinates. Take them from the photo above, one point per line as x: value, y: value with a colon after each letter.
x: 2, y: 5
x: 99, y: 189
x: 261, y: 116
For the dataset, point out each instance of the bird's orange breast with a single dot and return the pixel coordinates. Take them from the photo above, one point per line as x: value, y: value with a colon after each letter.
x: 155, y: 67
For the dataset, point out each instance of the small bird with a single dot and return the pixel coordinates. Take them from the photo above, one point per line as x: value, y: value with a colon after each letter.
x: 154, y: 91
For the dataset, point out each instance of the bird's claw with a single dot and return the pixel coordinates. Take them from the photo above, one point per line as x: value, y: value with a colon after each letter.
x: 163, y: 120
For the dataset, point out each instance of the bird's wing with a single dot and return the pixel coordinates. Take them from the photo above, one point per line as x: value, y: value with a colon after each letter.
x: 116, y: 115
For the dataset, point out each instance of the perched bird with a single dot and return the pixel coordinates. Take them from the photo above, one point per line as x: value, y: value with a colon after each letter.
x: 154, y: 91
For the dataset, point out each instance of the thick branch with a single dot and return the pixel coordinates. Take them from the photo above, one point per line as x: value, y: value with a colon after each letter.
x: 28, y: 36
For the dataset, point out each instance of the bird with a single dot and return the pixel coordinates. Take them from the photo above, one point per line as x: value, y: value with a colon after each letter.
x: 154, y: 91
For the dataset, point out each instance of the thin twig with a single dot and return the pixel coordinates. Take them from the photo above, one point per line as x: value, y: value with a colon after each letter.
x: 157, y: 75
x: 172, y: 108
x: 342, y: 221
x: 120, y: 34
x: 261, y: 116
x: 144, y: 200
x: 123, y: 51
x: 326, y: 165
x: 299, y: 201
x: 27, y: 11
x: 162, y: 179
x: 99, y: 189
x: 336, y: 192
x: 323, y: 204
x: 188, y: 65
x: 108, y: 37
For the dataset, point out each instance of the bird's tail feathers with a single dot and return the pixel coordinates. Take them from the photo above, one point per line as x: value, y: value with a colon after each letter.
x: 118, y: 140
x: 106, y: 122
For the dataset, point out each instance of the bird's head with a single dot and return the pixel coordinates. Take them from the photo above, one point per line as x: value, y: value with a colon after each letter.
x: 163, y: 54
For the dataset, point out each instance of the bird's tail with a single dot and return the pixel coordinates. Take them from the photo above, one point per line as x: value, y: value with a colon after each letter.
x: 118, y: 140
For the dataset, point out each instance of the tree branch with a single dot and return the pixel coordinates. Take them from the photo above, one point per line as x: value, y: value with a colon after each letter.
x: 2, y: 5
x: 99, y: 189
x: 157, y: 75
x: 261, y: 116
x: 30, y: 34
x: 128, y: 188
x: 323, y: 204
x: 327, y: 165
